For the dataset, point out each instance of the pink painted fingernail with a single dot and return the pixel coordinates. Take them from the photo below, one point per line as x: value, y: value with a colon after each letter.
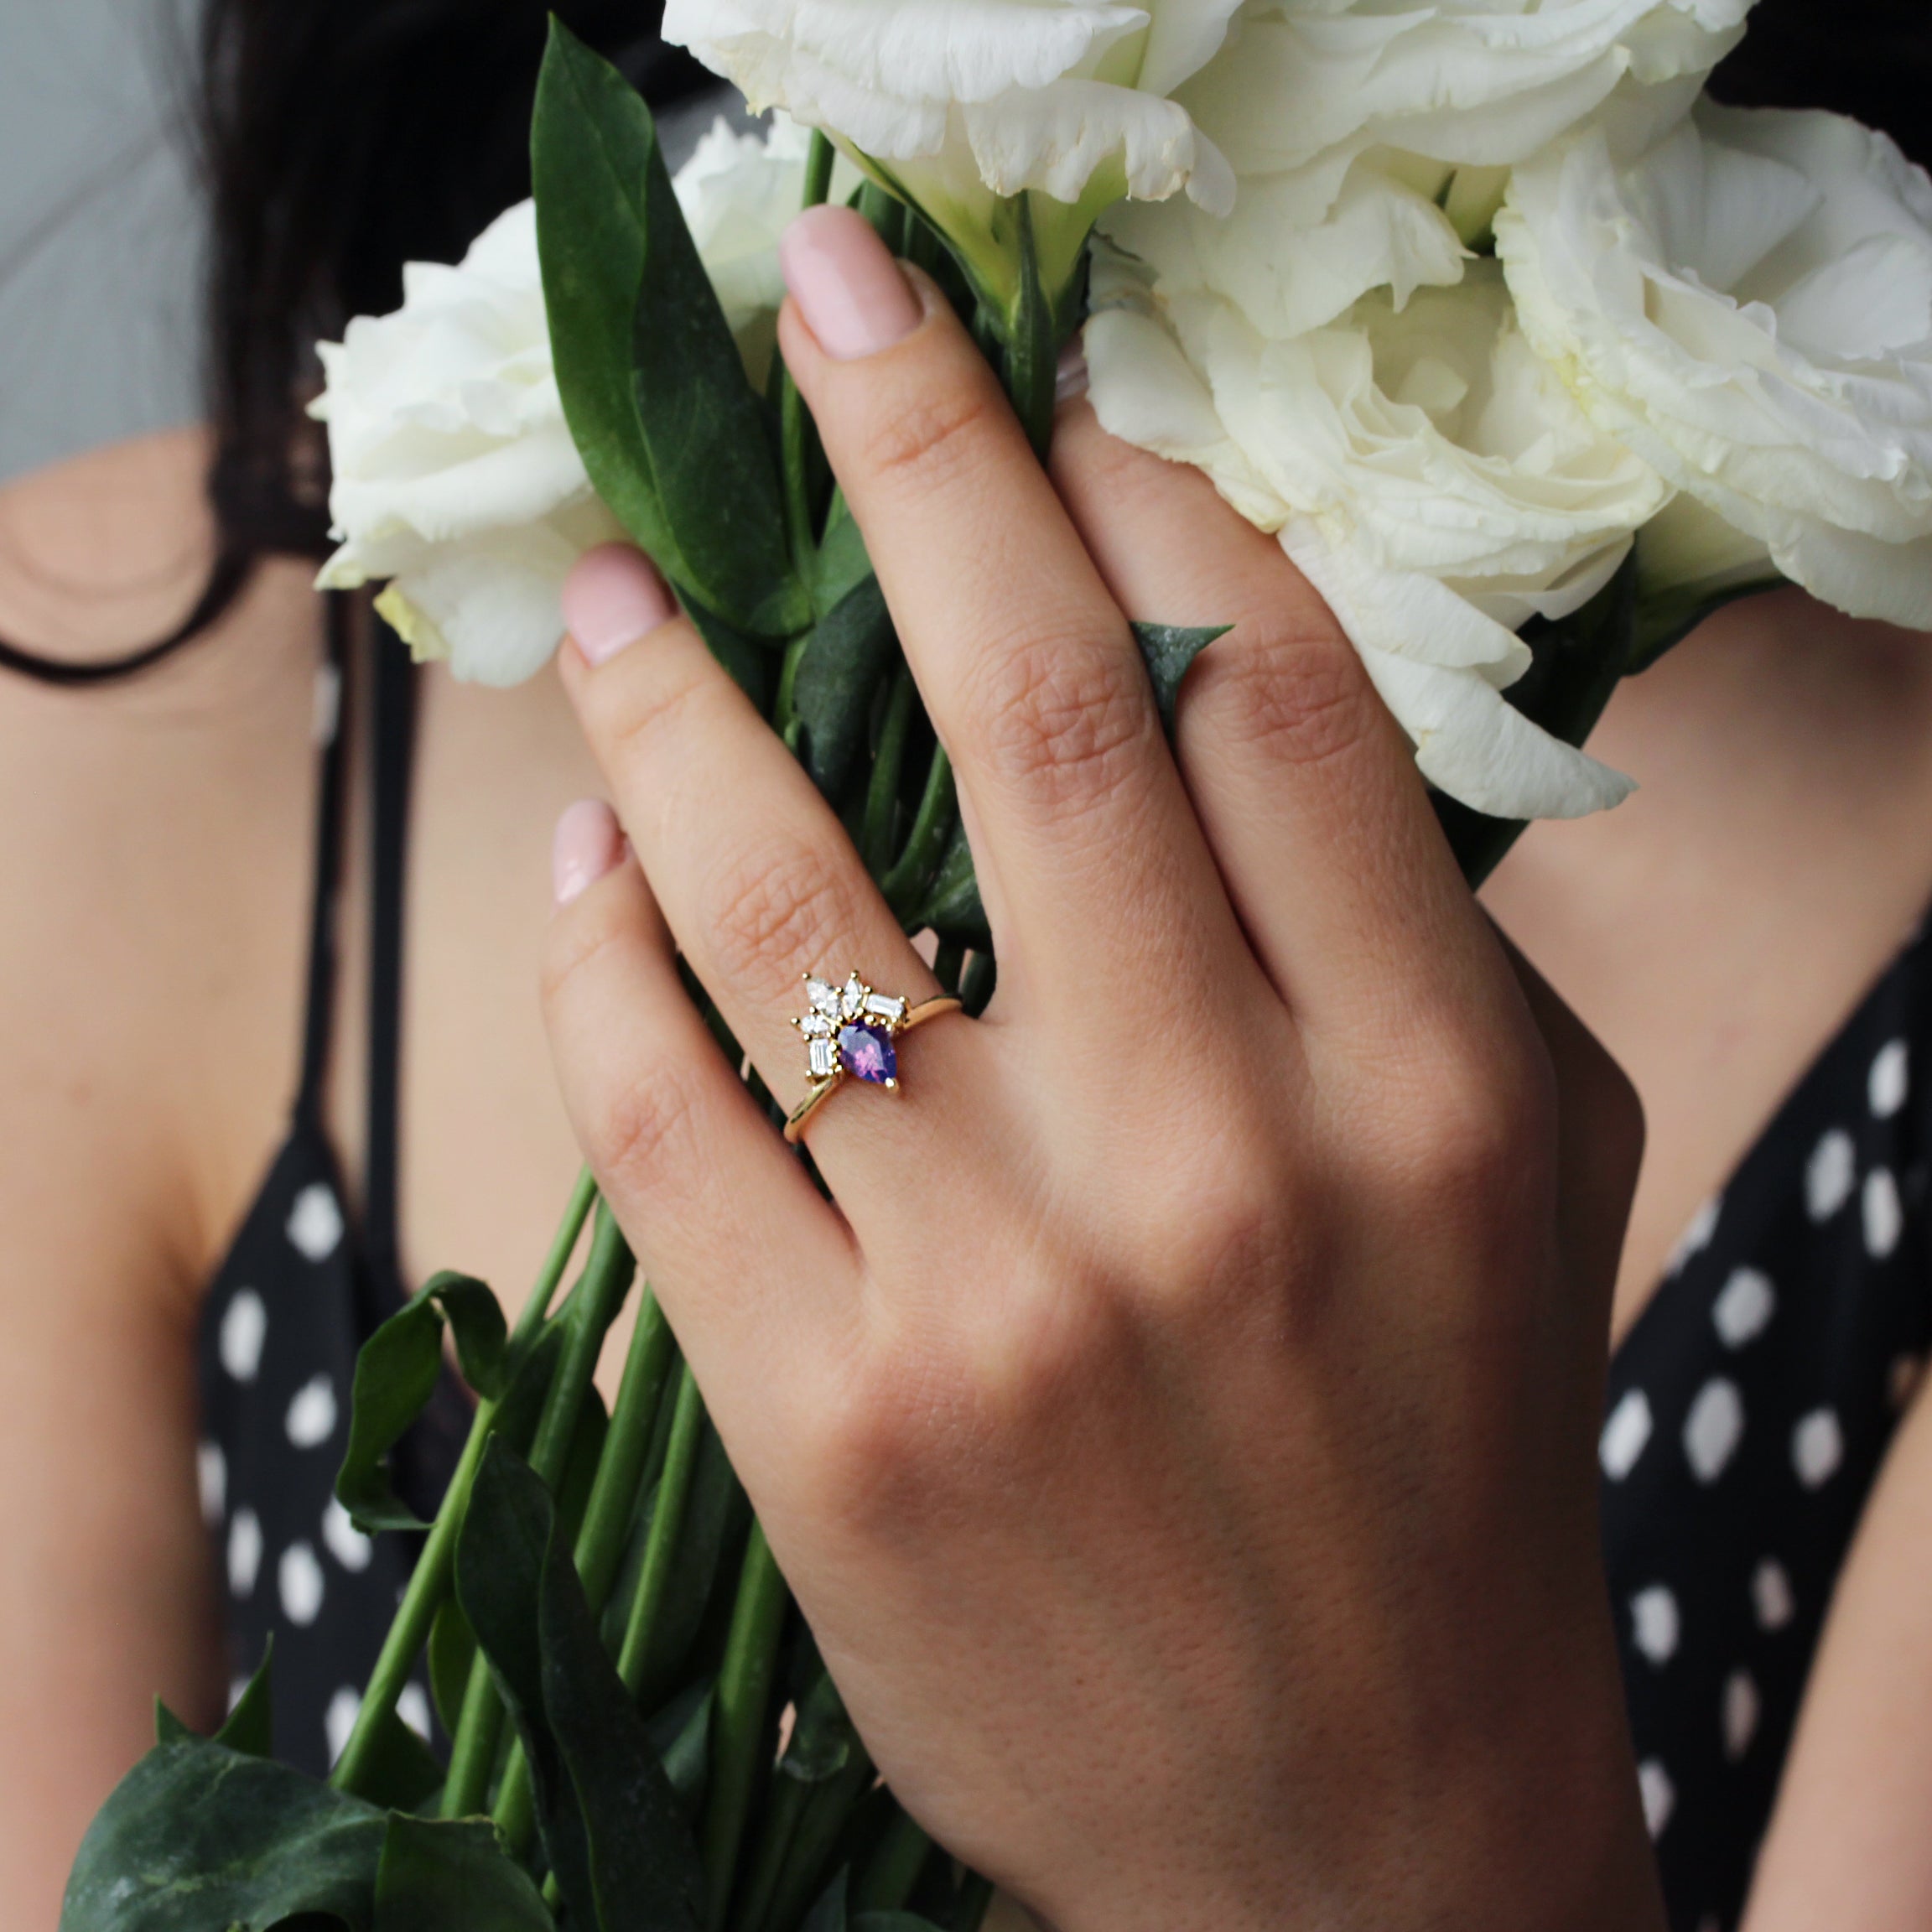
x: 612, y: 597
x: 587, y: 844
x: 852, y: 293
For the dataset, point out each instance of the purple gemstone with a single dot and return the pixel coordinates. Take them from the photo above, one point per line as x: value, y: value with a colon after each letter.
x: 867, y: 1054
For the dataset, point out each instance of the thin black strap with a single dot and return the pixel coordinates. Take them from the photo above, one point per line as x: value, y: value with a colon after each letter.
x: 318, y: 1010
x: 394, y: 726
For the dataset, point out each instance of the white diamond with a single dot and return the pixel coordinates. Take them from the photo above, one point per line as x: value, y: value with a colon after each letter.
x: 885, y: 1008
x: 824, y: 1058
x: 815, y: 1027
x: 851, y: 998
x: 824, y: 999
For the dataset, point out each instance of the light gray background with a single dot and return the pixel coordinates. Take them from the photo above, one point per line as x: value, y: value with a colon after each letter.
x: 102, y: 230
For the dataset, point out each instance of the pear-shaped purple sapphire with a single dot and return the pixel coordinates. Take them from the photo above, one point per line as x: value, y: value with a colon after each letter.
x: 866, y: 1052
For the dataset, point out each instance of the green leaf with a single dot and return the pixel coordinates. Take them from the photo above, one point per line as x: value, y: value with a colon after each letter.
x: 953, y: 909
x: 401, y: 1773
x: 643, y: 1866
x: 848, y: 653
x: 606, y: 1808
x: 250, y: 1725
x: 748, y: 662
x: 1168, y: 650
x: 830, y: 1913
x: 709, y: 1516
x: 681, y: 1736
x: 452, y: 1650
x: 673, y: 436
x: 475, y: 1319
x: 580, y: 1469
x: 450, y: 1875
x: 396, y: 1374
x: 198, y: 1836
x: 168, y: 1729
x: 840, y: 565
x: 823, y: 1740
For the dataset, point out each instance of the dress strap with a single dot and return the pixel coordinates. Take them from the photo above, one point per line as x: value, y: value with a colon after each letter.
x: 318, y: 1010
x: 395, y: 734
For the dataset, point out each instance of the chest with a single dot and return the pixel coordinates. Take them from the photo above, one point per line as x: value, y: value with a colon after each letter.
x: 1717, y: 930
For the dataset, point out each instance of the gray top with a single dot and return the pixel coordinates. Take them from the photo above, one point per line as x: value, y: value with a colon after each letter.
x: 103, y: 224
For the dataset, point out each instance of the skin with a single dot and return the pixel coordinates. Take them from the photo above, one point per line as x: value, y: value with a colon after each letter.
x: 1713, y: 932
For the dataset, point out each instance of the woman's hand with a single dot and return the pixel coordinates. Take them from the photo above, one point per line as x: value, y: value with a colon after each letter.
x: 1180, y: 1432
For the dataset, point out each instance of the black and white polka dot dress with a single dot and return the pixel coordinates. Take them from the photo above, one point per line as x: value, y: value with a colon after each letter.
x: 1750, y: 1407
x: 298, y: 1294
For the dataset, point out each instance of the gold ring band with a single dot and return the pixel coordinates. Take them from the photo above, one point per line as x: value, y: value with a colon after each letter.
x: 849, y: 1031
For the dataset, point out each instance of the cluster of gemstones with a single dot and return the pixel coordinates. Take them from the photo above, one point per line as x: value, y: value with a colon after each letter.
x: 849, y: 1029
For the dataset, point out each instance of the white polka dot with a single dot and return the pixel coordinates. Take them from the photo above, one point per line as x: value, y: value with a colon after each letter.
x: 315, y: 1222
x: 1659, y: 1794
x: 1884, y: 1217
x: 244, y: 1552
x: 1886, y: 1085
x: 1740, y: 1714
x: 1654, y: 1623
x: 211, y: 1480
x: 412, y: 1707
x: 311, y: 1418
x: 1712, y: 1428
x: 1817, y: 1448
x: 1697, y: 1236
x: 1829, y: 1175
x: 1902, y: 1378
x: 1743, y: 1306
x: 339, y: 1720
x: 347, y: 1544
x: 1771, y: 1595
x: 299, y: 1580
x: 1625, y: 1435
x: 244, y: 1329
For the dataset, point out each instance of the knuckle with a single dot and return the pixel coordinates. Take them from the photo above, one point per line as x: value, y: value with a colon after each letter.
x: 1056, y: 719
x: 648, y: 706
x: 928, y: 436
x: 1478, y: 1120
x: 640, y: 1131
x: 1293, y: 694
x: 775, y: 906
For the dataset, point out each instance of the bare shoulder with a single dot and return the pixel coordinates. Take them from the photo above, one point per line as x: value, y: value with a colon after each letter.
x: 155, y: 863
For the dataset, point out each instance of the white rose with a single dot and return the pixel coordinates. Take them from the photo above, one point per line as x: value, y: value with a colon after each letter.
x: 1474, y: 82
x: 1749, y: 307
x: 738, y: 191
x: 1428, y: 474
x: 455, y: 475
x: 959, y: 105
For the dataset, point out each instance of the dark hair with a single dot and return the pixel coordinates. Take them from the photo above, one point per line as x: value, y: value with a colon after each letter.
x: 347, y: 136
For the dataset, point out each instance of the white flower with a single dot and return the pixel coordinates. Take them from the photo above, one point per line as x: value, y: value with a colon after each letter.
x: 1475, y: 82
x: 738, y: 191
x: 960, y: 105
x: 1749, y: 307
x: 455, y: 475
x: 1428, y: 474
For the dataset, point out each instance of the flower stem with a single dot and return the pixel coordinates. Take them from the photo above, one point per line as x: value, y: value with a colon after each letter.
x: 1032, y: 353
x: 925, y: 843
x: 739, y: 1742
x: 882, y: 793
x: 593, y: 1307
x: 429, y: 1582
x: 667, y: 1525
x: 794, y: 421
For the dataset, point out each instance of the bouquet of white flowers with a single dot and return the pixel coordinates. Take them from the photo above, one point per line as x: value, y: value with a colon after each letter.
x: 1531, y: 355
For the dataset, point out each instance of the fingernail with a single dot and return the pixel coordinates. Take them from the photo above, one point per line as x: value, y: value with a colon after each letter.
x: 1070, y: 373
x: 852, y: 293
x: 612, y: 597
x: 587, y: 843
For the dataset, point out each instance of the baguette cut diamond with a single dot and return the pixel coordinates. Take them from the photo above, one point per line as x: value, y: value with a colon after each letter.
x: 891, y: 1009
x: 823, y: 1059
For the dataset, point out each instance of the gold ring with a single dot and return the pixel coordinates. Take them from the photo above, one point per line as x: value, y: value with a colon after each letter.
x: 850, y: 1030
